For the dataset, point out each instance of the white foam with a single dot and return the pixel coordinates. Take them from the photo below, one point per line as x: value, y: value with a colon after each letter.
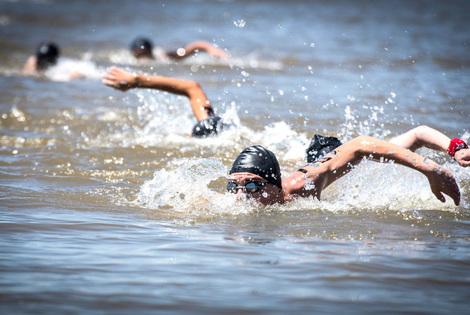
x: 70, y: 69
x: 185, y: 190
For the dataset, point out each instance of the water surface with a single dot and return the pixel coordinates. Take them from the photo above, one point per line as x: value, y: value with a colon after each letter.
x: 108, y: 207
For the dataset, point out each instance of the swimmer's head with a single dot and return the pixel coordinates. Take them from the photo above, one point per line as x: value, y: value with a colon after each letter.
x: 47, y: 54
x: 321, y: 146
x: 258, y: 161
x: 142, y: 48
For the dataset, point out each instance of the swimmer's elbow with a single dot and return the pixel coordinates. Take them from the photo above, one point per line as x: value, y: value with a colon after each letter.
x: 192, y: 86
x: 355, y: 148
x: 194, y: 91
x: 362, y: 145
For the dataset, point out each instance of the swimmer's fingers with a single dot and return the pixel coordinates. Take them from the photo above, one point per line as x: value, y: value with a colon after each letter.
x: 111, y: 82
x: 455, y: 196
x: 119, y: 75
x: 442, y: 182
x: 108, y: 79
x: 119, y: 79
x: 118, y: 72
x: 463, y: 157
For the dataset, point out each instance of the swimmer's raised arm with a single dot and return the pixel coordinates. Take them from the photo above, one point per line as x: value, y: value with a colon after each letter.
x: 340, y: 162
x: 424, y: 136
x: 213, y: 51
x: 124, y: 80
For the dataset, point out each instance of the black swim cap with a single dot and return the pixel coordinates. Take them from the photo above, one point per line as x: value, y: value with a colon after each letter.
x: 207, y: 127
x: 321, y: 146
x: 47, y: 54
x: 259, y: 161
x: 141, y: 44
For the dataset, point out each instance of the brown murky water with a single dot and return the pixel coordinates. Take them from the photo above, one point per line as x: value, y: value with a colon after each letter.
x: 108, y: 207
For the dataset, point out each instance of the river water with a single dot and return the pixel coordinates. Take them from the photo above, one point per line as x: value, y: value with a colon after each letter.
x: 107, y: 207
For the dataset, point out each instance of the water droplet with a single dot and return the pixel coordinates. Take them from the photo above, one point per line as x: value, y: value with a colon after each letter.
x: 241, y: 23
x: 181, y: 51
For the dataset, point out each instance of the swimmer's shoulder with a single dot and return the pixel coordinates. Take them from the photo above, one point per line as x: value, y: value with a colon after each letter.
x: 314, y: 165
x: 29, y: 67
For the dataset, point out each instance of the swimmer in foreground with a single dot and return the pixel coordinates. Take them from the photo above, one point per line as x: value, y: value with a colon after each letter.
x: 208, y: 123
x: 142, y: 48
x: 256, y: 173
x: 45, y: 57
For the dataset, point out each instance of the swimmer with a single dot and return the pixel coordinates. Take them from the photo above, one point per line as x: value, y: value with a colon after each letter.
x: 255, y: 173
x: 208, y: 124
x: 142, y: 48
x: 45, y: 57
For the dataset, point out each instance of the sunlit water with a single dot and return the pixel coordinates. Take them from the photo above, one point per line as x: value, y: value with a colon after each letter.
x: 107, y: 206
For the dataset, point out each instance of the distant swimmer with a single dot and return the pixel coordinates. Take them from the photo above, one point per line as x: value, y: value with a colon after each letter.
x: 46, y: 57
x: 255, y: 173
x: 142, y: 48
x: 208, y: 123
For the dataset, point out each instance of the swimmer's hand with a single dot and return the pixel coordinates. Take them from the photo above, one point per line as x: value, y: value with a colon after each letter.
x: 462, y: 156
x: 120, y: 79
x: 443, y: 182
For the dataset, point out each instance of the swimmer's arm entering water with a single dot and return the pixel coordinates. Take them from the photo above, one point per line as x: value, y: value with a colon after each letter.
x: 124, y: 80
x: 340, y: 162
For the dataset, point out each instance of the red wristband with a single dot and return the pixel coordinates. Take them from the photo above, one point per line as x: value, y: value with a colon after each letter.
x: 455, y: 145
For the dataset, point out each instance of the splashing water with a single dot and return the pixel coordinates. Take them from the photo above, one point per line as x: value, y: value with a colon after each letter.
x: 198, y: 188
x: 187, y: 190
x: 70, y: 69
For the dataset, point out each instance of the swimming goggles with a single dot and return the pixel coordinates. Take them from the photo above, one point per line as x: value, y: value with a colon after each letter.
x: 251, y: 187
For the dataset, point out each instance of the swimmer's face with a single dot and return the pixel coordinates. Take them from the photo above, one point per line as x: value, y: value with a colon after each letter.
x: 142, y: 53
x: 45, y: 62
x: 254, y: 187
